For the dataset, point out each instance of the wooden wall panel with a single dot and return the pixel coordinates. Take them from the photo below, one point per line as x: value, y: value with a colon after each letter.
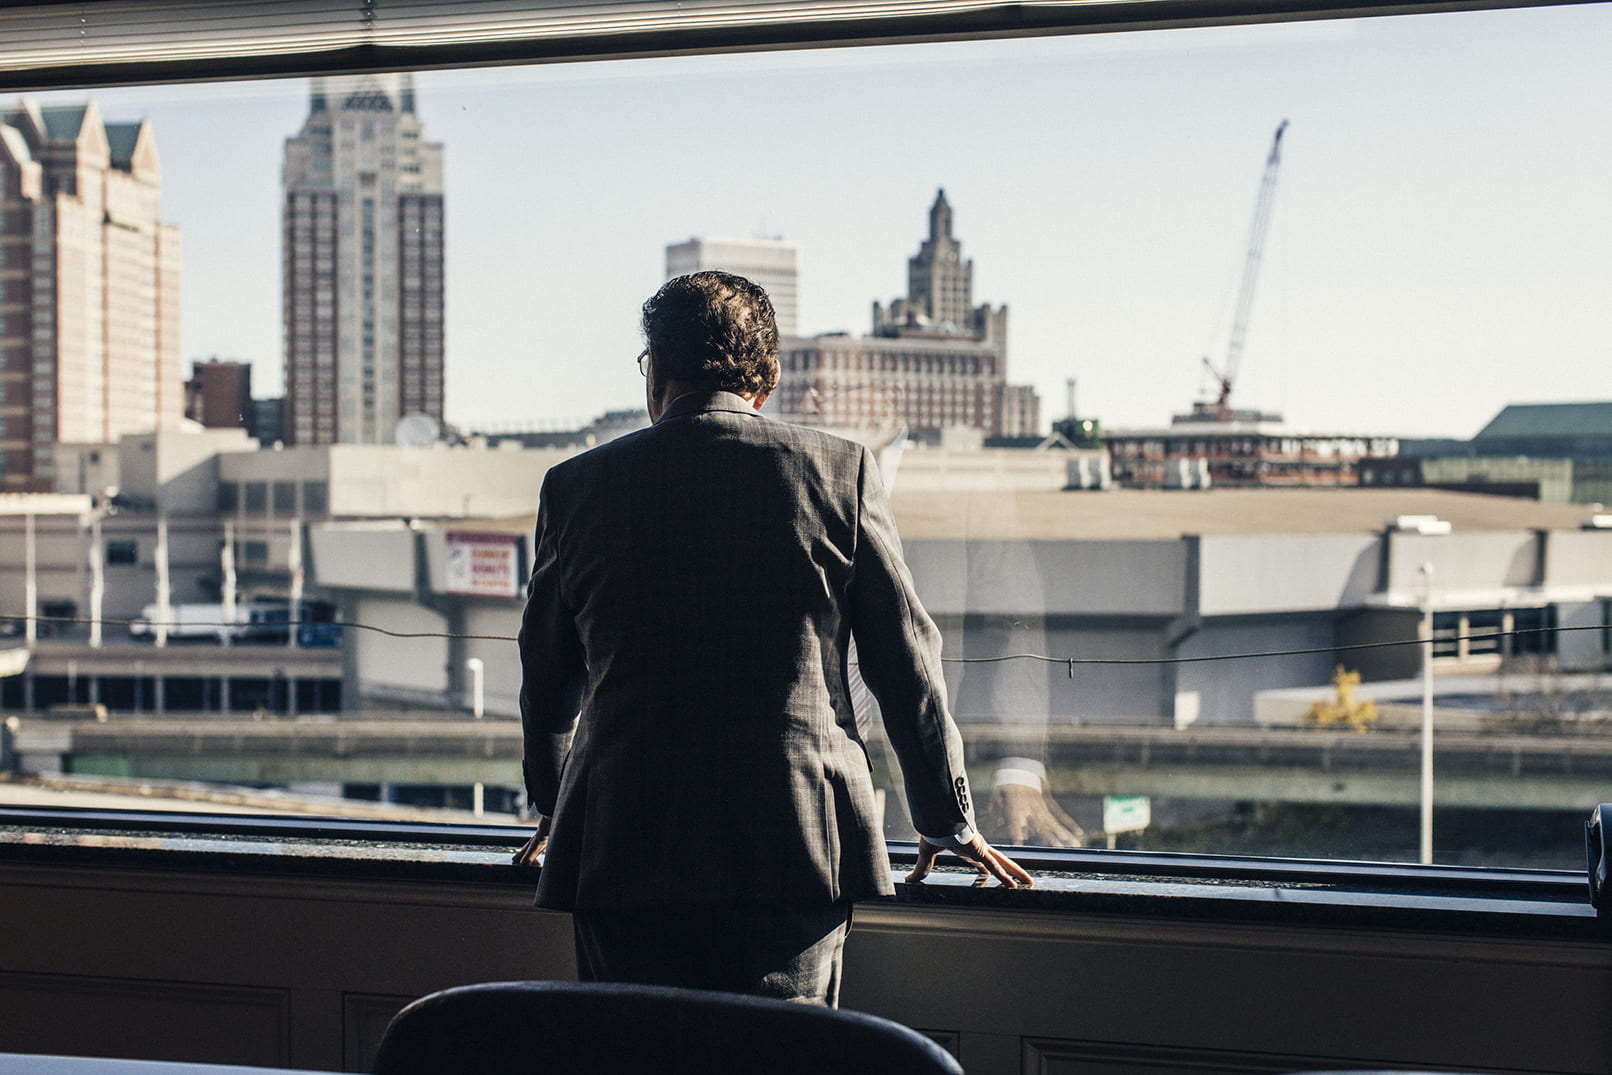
x: 364, y: 1019
x: 1045, y: 1056
x: 266, y: 969
x: 151, y: 1019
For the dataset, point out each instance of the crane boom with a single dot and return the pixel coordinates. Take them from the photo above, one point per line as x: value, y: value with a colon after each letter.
x: 1227, y: 373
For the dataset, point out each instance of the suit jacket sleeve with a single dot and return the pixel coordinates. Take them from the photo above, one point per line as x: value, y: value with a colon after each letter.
x: 553, y: 665
x: 899, y: 651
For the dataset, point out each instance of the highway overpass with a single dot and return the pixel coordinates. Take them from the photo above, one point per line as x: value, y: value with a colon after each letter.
x: 1539, y: 771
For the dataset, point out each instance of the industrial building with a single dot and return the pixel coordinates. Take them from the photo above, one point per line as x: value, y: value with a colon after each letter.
x: 219, y: 395
x: 1239, y: 454
x: 1131, y: 577
x: 1561, y: 452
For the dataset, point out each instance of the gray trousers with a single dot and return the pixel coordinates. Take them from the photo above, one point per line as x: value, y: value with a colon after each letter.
x: 789, y: 953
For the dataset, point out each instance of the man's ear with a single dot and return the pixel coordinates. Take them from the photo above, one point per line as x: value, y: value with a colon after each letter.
x: 760, y: 400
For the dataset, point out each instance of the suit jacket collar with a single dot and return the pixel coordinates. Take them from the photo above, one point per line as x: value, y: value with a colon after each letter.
x: 703, y: 402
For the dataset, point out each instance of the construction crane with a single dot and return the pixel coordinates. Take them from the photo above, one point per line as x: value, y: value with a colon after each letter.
x: 1226, y: 373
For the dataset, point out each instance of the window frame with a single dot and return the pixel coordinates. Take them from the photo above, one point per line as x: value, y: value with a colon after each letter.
x: 1498, y: 901
x: 48, y: 45
x: 947, y: 21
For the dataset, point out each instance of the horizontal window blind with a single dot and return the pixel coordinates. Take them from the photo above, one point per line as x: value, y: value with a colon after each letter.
x: 105, y: 41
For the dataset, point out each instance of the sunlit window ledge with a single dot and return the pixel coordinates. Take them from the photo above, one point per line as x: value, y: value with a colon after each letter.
x: 1500, y: 902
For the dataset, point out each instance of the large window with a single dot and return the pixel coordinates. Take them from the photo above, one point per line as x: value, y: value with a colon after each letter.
x: 1380, y: 232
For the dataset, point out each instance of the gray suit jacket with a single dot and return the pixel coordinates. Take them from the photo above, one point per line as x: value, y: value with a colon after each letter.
x: 687, y: 718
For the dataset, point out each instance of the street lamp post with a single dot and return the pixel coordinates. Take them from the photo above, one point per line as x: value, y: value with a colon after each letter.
x: 1427, y: 714
x: 478, y: 670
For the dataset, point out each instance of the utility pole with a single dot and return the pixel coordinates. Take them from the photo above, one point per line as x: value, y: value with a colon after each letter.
x: 478, y: 670
x: 97, y: 580
x: 164, y: 598
x: 30, y: 585
x: 294, y: 562
x: 226, y: 564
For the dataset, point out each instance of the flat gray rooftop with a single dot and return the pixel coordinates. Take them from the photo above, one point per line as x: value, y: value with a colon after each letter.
x: 1132, y: 514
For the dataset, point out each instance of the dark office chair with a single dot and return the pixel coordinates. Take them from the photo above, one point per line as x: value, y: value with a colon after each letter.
x: 535, y: 1028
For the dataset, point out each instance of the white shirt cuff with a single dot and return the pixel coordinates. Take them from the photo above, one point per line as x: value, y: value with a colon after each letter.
x: 958, y: 839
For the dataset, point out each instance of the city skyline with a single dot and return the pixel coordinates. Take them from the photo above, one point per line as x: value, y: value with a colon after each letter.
x: 1438, y: 248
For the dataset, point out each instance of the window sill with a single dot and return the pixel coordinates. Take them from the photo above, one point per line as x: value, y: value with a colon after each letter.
x: 1496, y: 902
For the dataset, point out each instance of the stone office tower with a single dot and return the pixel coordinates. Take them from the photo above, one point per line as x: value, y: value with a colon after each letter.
x: 934, y: 361
x: 940, y: 292
x: 362, y: 264
x: 89, y: 288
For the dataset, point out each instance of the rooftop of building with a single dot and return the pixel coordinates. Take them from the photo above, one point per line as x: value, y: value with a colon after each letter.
x: 1210, y: 430
x: 14, y: 144
x: 775, y: 242
x: 63, y: 122
x: 121, y: 141
x: 916, y: 341
x: 44, y: 503
x: 1550, y: 420
x: 1145, y: 514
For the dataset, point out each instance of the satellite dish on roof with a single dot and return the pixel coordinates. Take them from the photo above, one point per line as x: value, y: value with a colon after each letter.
x: 416, y: 431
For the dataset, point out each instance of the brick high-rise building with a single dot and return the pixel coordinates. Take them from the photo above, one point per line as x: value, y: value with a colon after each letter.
x: 89, y: 288
x: 219, y: 395
x: 362, y: 263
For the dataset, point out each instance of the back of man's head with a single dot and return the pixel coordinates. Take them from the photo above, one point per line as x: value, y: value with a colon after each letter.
x: 714, y: 330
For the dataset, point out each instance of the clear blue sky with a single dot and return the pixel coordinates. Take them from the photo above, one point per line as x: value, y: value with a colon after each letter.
x: 1442, y: 239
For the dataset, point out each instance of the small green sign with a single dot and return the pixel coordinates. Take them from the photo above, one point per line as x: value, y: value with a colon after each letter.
x: 1126, y: 813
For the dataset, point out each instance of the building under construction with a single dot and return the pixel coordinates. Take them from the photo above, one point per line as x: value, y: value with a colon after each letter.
x: 1238, y: 454
x: 1217, y: 444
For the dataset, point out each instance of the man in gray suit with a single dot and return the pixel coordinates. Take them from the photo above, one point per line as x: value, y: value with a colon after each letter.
x: 706, y: 807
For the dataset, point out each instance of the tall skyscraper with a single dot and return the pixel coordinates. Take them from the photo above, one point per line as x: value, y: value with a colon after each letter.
x: 362, y: 264
x: 771, y: 263
x: 89, y: 288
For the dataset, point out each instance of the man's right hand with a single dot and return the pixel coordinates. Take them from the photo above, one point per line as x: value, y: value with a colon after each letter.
x: 982, y: 856
x: 531, y: 853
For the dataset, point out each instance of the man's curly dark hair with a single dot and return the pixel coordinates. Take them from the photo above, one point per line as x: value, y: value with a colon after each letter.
x: 714, y: 330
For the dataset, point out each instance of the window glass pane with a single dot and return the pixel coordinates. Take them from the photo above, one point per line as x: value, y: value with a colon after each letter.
x: 285, y: 498
x: 1164, y: 594
x: 1534, y: 631
x: 1483, y: 631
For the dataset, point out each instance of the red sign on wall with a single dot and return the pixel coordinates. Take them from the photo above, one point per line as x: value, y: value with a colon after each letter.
x: 484, y: 565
